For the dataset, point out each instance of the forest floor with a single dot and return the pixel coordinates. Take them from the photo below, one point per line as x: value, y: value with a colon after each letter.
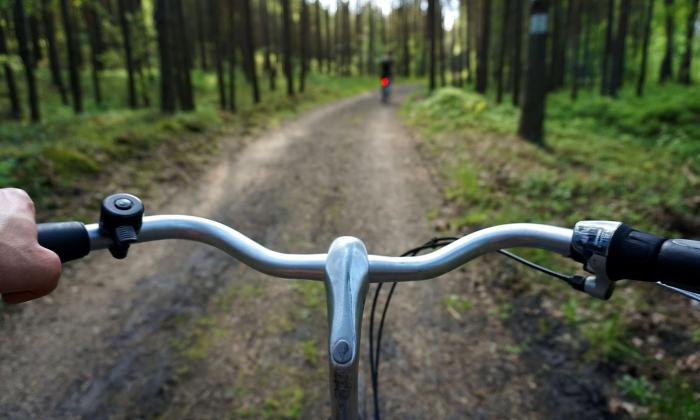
x: 182, y: 331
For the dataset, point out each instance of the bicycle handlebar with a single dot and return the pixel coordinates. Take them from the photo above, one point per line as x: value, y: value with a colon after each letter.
x: 64, y: 238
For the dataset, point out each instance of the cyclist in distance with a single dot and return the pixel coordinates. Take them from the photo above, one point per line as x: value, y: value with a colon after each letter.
x: 27, y: 270
x: 386, y: 75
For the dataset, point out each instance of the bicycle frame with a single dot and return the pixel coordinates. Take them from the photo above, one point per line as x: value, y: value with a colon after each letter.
x: 346, y: 270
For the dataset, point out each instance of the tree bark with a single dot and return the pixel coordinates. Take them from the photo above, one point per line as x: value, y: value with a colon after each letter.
x: 95, y: 40
x: 162, y: 18
x: 575, y: 28
x: 34, y: 30
x: 441, y: 44
x: 468, y: 22
x: 27, y: 58
x: 482, y: 50
x: 73, y: 65
x: 531, y: 126
x: 405, y: 38
x: 684, y: 71
x: 666, y: 70
x: 287, y: 46
x: 124, y: 11
x: 618, y: 63
x: 558, y: 53
x: 607, y: 50
x: 358, y: 39
x: 502, y: 50
x: 431, y: 40
x: 517, y: 63
x: 15, y: 106
x: 329, y: 43
x: 231, y: 51
x: 54, y: 58
x: 184, y: 78
x: 371, y: 47
x: 318, y: 35
x: 303, y: 44
x: 201, y: 33
x: 645, y: 48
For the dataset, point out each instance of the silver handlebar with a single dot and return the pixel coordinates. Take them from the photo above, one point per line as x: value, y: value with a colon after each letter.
x: 346, y: 271
x: 312, y: 266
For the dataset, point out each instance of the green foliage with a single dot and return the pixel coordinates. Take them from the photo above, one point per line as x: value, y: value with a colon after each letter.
x: 639, y: 389
x: 600, y: 154
x: 286, y: 403
x: 676, y: 400
x: 459, y: 303
x: 673, y: 399
x: 68, y: 156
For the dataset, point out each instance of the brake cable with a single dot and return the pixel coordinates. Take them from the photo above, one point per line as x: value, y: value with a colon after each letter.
x: 574, y: 281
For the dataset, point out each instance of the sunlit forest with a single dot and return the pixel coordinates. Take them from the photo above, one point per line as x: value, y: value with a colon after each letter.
x: 546, y: 111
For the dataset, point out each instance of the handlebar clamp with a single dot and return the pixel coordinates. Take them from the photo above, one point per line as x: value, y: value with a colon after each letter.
x: 121, y: 217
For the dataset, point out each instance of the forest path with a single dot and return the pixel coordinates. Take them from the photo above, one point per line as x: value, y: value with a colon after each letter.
x: 182, y: 331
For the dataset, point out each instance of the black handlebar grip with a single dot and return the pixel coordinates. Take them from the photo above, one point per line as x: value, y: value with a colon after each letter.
x: 632, y: 255
x: 636, y: 255
x: 69, y: 240
x: 678, y: 263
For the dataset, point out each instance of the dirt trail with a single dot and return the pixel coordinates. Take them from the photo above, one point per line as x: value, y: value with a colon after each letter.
x: 182, y: 331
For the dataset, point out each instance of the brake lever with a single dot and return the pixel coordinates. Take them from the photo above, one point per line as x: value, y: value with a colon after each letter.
x: 687, y: 293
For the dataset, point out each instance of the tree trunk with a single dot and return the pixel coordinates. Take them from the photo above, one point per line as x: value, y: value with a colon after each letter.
x: 431, y: 39
x: 502, y: 50
x: 666, y: 71
x: 358, y: 39
x: 645, y: 48
x: 531, y: 126
x: 618, y: 63
x: 317, y: 34
x: 34, y: 30
x: 124, y: 11
x: 482, y: 50
x: 54, y: 58
x: 684, y: 71
x: 347, y: 40
x: 558, y: 53
x: 607, y: 50
x: 517, y: 63
x: 371, y: 47
x: 15, y: 106
x: 73, y: 66
x: 95, y: 40
x: 27, y: 58
x: 201, y: 33
x: 329, y: 43
x: 441, y: 44
x: 182, y: 59
x: 303, y: 44
x: 469, y: 7
x: 287, y: 46
x: 405, y: 37
x: 162, y: 18
x: 231, y: 51
x: 575, y: 28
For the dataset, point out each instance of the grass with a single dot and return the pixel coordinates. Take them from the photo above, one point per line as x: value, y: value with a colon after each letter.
x: 590, y: 169
x: 68, y: 158
x: 631, y: 159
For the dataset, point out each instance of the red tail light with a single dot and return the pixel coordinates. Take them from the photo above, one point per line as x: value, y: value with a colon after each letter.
x: 385, y: 81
